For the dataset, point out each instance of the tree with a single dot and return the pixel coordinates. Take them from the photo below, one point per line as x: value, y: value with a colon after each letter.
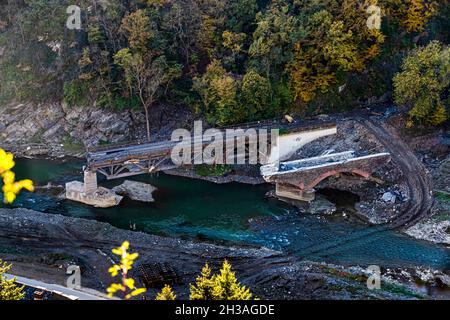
x: 255, y: 94
x: 276, y: 31
x: 144, y: 77
x: 203, y: 289
x: 136, y: 26
x: 8, y: 289
x: 127, y: 284
x: 413, y: 15
x: 227, y: 287
x: 335, y: 39
x: 219, y: 94
x: 166, y: 294
x: 223, y: 286
x: 423, y: 83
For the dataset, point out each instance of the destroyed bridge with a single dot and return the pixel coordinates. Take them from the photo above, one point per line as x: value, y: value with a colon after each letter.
x: 293, y: 179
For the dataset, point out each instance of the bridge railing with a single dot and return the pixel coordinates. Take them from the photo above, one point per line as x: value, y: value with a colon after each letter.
x: 161, y: 138
x: 277, y: 123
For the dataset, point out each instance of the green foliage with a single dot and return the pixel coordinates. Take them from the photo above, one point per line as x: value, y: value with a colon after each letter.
x: 276, y: 31
x: 423, y: 83
x: 255, y: 95
x: 244, y: 59
x: 8, y: 289
x: 76, y: 93
x: 336, y: 39
x: 443, y: 196
x: 228, y: 101
x: 217, y: 170
x: 223, y: 286
x: 218, y: 91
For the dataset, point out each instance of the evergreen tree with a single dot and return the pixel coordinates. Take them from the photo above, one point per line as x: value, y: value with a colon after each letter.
x: 223, y: 286
x: 166, y: 294
x: 227, y: 287
x: 8, y: 289
x: 203, y: 289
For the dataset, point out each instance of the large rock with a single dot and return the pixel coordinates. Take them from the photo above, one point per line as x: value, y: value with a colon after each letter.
x: 389, y: 197
x: 137, y: 191
x: 102, y: 198
x: 431, y: 230
x: 321, y: 206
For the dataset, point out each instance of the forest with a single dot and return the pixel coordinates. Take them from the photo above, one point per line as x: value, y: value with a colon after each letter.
x: 230, y: 61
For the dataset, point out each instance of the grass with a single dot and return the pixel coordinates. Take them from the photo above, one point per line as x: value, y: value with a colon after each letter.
x: 386, y: 286
x: 212, y: 170
x: 72, y: 146
x: 443, y: 196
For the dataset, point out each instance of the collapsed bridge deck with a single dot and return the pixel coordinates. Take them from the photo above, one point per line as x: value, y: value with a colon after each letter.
x: 138, y: 158
x: 297, y: 179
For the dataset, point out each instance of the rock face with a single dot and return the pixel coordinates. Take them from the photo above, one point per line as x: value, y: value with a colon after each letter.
x: 102, y: 198
x: 137, y: 191
x: 54, y: 129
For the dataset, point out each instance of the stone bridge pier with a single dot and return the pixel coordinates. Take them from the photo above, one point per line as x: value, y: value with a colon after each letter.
x: 88, y: 192
x: 90, y: 182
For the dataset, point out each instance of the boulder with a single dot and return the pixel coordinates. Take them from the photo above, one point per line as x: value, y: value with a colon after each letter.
x: 137, y: 191
x: 322, y: 206
x: 102, y: 198
x: 389, y: 197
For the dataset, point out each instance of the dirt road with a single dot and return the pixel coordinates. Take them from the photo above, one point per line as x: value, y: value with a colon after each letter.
x: 420, y: 189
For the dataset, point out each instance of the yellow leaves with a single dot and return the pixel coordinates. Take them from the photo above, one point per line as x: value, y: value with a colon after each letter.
x: 166, y: 294
x: 308, y: 75
x: 223, y: 286
x: 126, y: 264
x: 135, y: 293
x: 114, y: 288
x: 11, y: 187
x: 158, y: 3
x: 418, y: 13
x: 114, y: 270
x: 339, y: 40
x: 233, y: 41
x: 413, y: 15
x: 137, y: 27
x: 6, y: 161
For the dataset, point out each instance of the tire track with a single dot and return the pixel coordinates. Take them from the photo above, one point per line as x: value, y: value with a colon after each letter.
x: 420, y: 192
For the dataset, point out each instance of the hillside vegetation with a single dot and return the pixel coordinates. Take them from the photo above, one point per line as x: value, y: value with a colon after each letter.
x: 229, y: 60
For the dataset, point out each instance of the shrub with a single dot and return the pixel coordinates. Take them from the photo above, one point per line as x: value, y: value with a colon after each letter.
x: 423, y: 83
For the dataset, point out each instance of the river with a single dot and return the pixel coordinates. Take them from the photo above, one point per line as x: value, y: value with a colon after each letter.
x: 195, y: 209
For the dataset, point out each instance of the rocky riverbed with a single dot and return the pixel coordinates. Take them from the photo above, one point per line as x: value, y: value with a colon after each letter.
x: 56, y: 131
x: 28, y: 241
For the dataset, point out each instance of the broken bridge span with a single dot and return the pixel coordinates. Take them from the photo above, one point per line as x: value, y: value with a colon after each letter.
x: 294, y: 179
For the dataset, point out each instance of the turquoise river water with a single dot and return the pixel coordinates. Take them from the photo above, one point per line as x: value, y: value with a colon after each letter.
x: 194, y: 209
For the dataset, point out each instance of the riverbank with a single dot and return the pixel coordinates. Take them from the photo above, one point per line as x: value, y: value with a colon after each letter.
x: 29, y: 237
x: 298, y: 279
x: 380, y: 200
